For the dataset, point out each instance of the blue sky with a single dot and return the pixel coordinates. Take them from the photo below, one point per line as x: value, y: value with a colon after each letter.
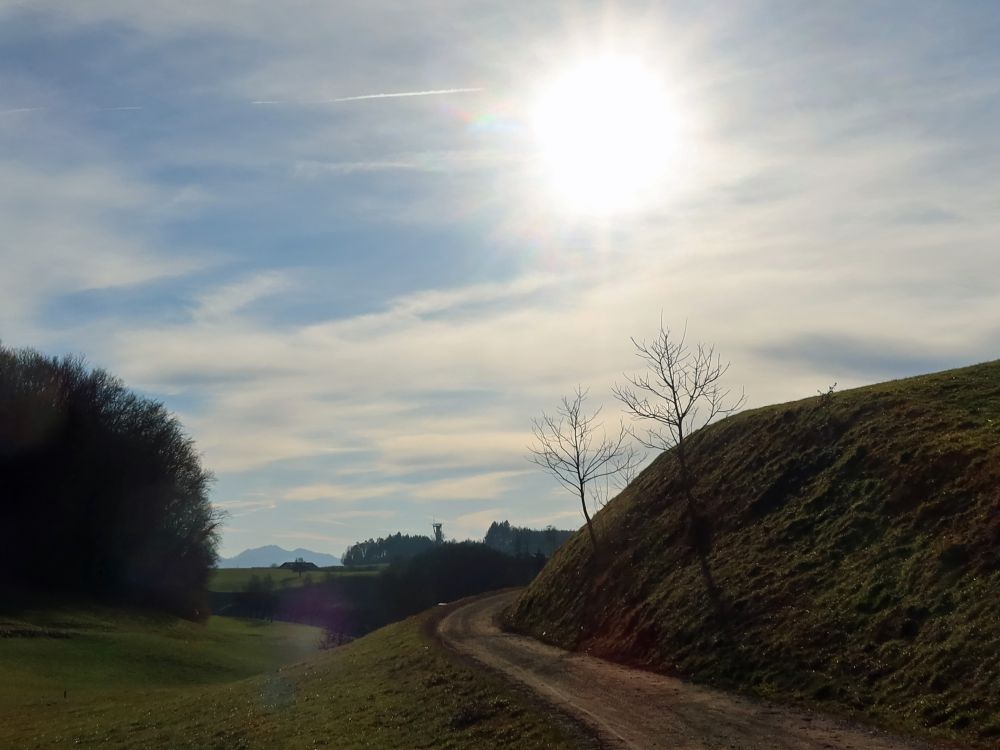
x: 356, y: 307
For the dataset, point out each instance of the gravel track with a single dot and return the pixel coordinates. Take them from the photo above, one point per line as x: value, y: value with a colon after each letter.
x: 630, y: 708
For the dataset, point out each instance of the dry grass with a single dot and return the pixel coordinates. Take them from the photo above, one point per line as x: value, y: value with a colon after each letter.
x: 856, y: 542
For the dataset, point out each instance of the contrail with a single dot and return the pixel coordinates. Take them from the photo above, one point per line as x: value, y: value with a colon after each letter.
x: 339, y: 100
x: 392, y: 95
x: 44, y: 109
x: 431, y: 92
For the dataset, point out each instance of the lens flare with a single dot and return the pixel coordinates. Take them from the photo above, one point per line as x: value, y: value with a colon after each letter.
x: 606, y: 134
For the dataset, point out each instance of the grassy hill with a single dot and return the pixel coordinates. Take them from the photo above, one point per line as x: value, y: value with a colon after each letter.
x: 134, y: 680
x: 856, y: 543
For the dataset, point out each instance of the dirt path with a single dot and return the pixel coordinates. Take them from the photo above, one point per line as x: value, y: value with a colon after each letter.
x: 634, y: 709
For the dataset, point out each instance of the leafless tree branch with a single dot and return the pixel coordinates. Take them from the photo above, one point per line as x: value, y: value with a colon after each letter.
x: 572, y: 447
x: 679, y: 392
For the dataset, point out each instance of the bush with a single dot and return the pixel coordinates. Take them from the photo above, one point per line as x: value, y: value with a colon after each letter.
x: 103, y: 492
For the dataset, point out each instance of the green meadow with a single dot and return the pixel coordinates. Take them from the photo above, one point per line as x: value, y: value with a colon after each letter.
x: 229, y: 580
x: 110, y: 678
x: 63, y: 665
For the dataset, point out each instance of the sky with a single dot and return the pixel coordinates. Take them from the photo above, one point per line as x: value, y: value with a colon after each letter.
x: 355, y: 303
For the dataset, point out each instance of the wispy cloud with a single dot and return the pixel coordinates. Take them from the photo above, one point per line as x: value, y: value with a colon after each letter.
x: 224, y: 301
x: 79, y: 109
x: 837, y: 215
x: 339, y: 493
x: 474, y: 525
x: 342, y: 517
x: 260, y: 102
x: 64, y: 234
x: 240, y: 508
x: 486, y: 486
x: 312, y: 536
x: 311, y: 169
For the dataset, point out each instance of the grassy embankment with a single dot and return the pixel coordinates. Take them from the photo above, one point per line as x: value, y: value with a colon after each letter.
x: 149, y: 681
x: 856, y: 543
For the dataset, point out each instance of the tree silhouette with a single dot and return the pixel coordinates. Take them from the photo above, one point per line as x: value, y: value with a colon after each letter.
x: 568, y: 446
x: 105, y: 482
x: 679, y: 392
x: 514, y: 540
x: 396, y: 546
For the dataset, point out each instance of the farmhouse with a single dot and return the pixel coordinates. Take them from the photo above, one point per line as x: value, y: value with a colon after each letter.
x: 299, y: 565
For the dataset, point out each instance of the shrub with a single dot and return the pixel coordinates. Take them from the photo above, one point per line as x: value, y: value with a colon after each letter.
x: 103, y: 492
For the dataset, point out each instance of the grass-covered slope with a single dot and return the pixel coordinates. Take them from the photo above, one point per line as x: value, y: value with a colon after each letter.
x: 856, y: 545
x: 162, y: 683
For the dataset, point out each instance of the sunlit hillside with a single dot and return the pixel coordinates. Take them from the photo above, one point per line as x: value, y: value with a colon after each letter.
x: 856, y: 546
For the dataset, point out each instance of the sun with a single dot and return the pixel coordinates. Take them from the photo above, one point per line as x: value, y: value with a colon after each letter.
x: 606, y: 135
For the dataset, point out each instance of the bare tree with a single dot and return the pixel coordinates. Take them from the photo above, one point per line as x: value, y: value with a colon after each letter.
x: 602, y: 492
x: 567, y: 445
x: 629, y: 472
x: 680, y: 391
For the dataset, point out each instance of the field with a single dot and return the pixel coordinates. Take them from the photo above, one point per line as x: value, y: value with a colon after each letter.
x: 229, y: 580
x: 136, y: 680
x: 62, y: 665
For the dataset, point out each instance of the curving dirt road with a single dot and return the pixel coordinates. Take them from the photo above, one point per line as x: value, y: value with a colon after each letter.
x: 629, y: 708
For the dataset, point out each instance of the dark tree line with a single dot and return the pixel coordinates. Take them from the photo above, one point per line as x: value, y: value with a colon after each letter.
x: 351, y: 605
x: 449, y: 572
x: 517, y: 540
x: 103, y: 494
x: 386, y: 549
x: 258, y: 599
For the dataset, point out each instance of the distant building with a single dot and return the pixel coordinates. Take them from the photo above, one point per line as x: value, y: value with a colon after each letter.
x: 299, y: 565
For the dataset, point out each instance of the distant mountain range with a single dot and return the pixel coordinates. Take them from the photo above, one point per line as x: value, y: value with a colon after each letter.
x: 264, y: 557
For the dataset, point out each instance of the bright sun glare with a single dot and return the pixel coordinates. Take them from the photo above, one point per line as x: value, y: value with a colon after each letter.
x: 607, y: 135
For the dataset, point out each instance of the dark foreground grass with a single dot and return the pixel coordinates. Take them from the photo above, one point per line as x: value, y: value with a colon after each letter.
x: 856, y: 543
x: 395, y: 688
